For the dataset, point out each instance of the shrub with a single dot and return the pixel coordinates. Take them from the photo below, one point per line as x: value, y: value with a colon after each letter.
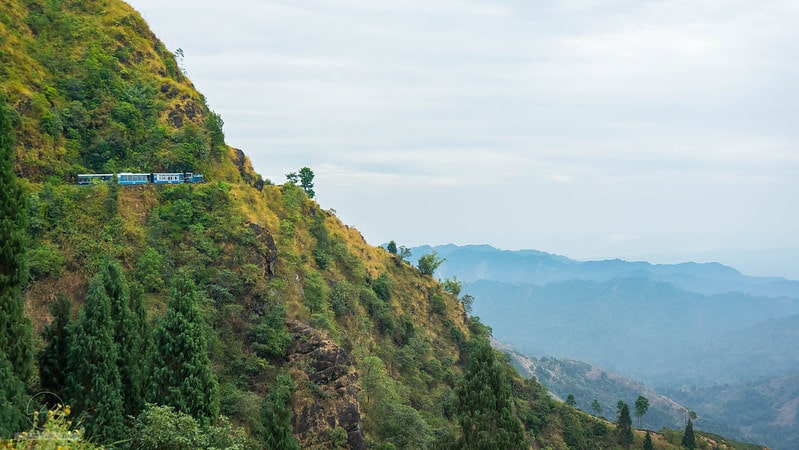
x: 45, y: 261
x: 269, y: 337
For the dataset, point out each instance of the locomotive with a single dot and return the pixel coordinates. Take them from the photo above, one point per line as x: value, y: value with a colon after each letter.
x: 128, y: 178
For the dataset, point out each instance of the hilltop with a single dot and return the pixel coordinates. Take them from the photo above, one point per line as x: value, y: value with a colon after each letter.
x: 292, y: 329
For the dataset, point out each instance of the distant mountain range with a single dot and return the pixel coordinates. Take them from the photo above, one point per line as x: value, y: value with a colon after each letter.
x: 484, y: 262
x: 695, y: 331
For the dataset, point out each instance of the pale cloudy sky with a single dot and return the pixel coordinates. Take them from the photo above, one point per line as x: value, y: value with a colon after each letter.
x: 663, y: 130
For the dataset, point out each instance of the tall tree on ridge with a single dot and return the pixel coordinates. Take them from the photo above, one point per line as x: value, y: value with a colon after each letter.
x: 641, y: 407
x: 624, y: 426
x: 688, y: 438
x: 648, y: 442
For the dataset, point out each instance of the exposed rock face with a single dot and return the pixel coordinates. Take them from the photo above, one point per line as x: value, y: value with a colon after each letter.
x: 327, y: 371
x: 245, y: 169
x: 267, y: 253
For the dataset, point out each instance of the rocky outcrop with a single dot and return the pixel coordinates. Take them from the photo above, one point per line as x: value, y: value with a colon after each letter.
x: 327, y: 372
x: 266, y: 256
x: 245, y: 169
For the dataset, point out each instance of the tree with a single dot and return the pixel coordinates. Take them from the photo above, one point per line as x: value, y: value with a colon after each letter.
x: 54, y: 357
x: 596, y: 407
x: 182, y: 375
x: 404, y: 253
x: 624, y: 426
x: 484, y: 403
x: 641, y: 407
x: 688, y: 438
x: 570, y: 400
x: 127, y: 336
x: 378, y: 387
x: 93, y: 382
x: 16, y: 333
x: 648, y: 442
x: 150, y: 270
x: 467, y: 300
x: 391, y: 247
x: 452, y: 285
x: 429, y: 263
x: 12, y: 401
x: 306, y: 181
x: 276, y: 415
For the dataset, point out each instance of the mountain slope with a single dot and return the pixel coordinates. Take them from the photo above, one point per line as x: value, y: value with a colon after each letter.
x: 93, y: 90
x: 312, y: 334
x: 588, y: 383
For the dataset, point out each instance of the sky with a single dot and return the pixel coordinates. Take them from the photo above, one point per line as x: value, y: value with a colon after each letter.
x: 645, y: 130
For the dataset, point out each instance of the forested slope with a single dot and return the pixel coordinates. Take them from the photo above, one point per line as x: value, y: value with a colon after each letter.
x: 229, y: 314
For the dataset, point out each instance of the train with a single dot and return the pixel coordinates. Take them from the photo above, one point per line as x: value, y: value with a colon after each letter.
x: 128, y: 178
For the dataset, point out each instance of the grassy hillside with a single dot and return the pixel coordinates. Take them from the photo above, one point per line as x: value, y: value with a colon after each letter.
x: 305, y: 324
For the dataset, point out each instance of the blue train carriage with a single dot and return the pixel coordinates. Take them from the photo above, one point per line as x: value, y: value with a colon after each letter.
x: 168, y: 178
x: 133, y: 178
x: 94, y: 178
x: 194, y: 177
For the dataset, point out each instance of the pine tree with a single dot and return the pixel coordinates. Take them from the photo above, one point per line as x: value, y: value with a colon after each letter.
x: 126, y: 337
x: 12, y: 401
x: 648, y: 442
x: 182, y: 375
x: 276, y: 416
x: 688, y: 439
x: 57, y: 336
x: 141, y: 327
x: 484, y: 403
x: 93, y: 382
x: 624, y: 426
x: 16, y: 335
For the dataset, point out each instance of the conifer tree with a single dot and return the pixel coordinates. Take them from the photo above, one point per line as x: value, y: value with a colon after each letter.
x: 648, y: 442
x: 12, y: 400
x: 276, y: 416
x: 624, y: 426
x: 688, y: 438
x: 484, y: 403
x: 93, y: 382
x: 182, y: 375
x: 57, y: 336
x: 144, y: 337
x: 16, y: 340
x: 126, y: 337
x: 15, y: 328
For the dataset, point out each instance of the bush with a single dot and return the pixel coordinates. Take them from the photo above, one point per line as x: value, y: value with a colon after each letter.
x: 164, y: 428
x: 315, y: 292
x: 437, y: 304
x: 381, y: 287
x: 341, y: 298
x: 269, y: 337
x: 150, y: 270
x: 45, y: 261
